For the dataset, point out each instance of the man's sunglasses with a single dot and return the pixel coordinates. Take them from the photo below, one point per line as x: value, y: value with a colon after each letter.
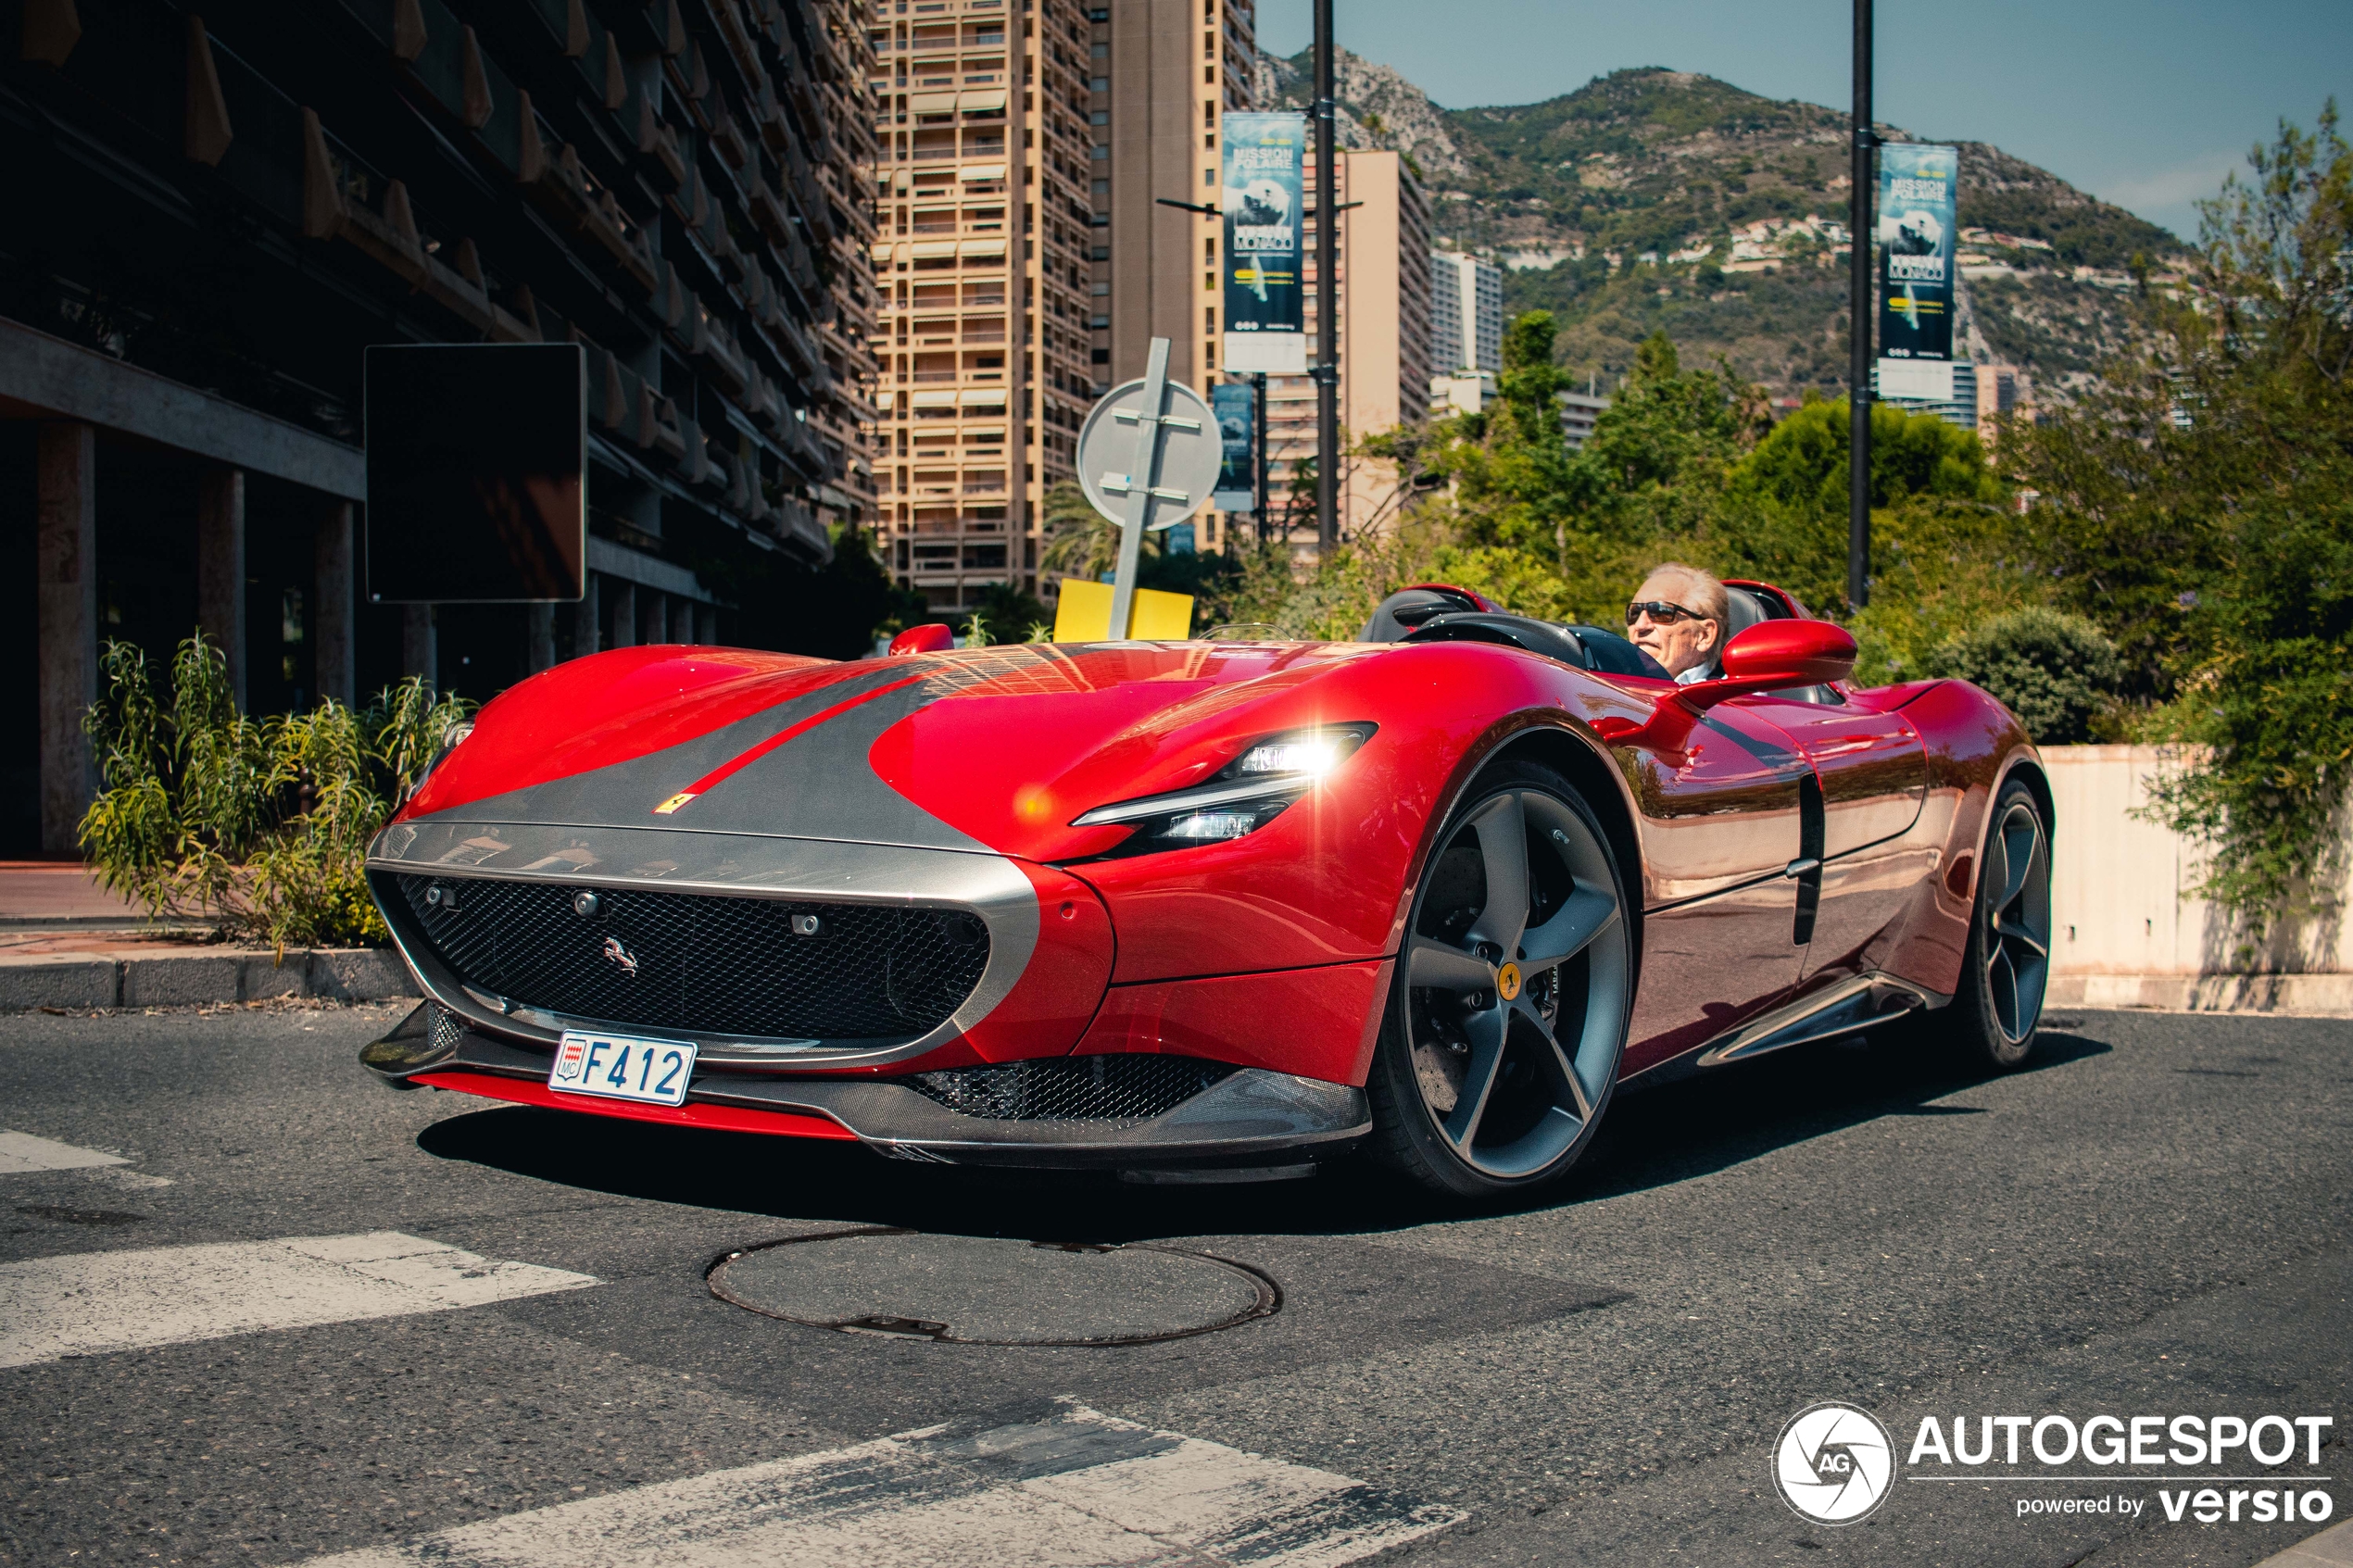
x: 1661, y: 611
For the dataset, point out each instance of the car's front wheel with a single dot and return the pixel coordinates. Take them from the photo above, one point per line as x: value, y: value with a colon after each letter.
x: 1499, y: 1049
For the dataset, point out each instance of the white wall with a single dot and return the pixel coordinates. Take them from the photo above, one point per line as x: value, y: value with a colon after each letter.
x: 2124, y: 932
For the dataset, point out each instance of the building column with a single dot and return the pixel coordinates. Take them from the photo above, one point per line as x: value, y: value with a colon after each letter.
x: 539, y: 622
x: 220, y: 570
x: 333, y: 650
x: 420, y: 644
x: 624, y: 614
x: 587, y: 624
x: 652, y: 618
x: 682, y: 620
x: 707, y: 624
x: 66, y: 567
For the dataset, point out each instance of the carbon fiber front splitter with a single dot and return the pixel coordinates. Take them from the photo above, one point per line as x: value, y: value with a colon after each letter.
x: 1247, y: 1115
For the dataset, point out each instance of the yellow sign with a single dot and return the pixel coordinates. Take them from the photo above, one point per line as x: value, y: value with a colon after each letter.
x: 1084, y: 614
x: 1507, y: 982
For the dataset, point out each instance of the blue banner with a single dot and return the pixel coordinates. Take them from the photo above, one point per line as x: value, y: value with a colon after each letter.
x: 1918, y: 198
x: 1233, y: 402
x: 1266, y: 326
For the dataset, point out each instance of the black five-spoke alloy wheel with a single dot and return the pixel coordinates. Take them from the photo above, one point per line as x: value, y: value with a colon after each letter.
x: 2008, y: 966
x: 1501, y: 1045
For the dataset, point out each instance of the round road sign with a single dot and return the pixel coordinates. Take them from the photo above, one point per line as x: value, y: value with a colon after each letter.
x: 1190, y: 450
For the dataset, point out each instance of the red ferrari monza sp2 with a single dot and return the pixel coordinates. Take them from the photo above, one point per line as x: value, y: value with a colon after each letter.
x: 1210, y: 910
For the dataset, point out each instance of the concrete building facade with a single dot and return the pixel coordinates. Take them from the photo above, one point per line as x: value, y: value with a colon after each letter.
x: 1023, y: 262
x: 1465, y: 314
x: 209, y: 218
x: 981, y: 260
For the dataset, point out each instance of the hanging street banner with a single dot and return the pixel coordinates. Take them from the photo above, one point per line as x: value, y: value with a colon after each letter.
x: 1265, y: 307
x: 1237, y: 425
x: 1918, y: 185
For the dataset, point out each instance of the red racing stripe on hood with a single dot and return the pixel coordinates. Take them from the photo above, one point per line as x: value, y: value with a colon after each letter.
x: 727, y: 770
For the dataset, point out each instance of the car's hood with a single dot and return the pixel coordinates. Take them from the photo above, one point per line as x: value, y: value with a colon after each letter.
x: 993, y: 748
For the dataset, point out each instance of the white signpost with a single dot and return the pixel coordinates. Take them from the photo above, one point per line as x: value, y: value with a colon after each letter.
x: 1154, y: 479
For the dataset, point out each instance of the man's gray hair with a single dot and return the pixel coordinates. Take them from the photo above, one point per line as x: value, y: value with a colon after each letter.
x: 1705, y: 595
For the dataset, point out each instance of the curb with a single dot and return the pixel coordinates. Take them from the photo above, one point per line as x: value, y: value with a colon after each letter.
x: 236, y: 974
x: 2312, y: 995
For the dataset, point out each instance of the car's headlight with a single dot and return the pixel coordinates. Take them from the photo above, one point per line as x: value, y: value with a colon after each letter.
x: 1247, y: 793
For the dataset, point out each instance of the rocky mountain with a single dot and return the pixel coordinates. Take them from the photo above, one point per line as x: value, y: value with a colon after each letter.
x: 1653, y: 198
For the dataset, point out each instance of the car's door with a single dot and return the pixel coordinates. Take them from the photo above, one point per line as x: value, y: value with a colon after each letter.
x: 1871, y: 774
x: 1722, y: 812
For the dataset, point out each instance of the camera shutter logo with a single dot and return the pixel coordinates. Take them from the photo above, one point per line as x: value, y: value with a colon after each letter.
x: 1835, y: 1463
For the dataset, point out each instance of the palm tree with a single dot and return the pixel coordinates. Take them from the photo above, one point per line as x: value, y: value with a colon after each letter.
x: 1080, y: 540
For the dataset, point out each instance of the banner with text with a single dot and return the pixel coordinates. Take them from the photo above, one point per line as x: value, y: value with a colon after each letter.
x: 1238, y: 426
x: 1265, y: 309
x: 1917, y: 195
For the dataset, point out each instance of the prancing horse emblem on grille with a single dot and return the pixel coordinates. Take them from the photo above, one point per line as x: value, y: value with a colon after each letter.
x: 616, y: 953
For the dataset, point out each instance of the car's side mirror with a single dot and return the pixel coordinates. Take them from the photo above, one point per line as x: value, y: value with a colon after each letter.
x: 1768, y: 656
x: 1773, y: 654
x: 933, y: 637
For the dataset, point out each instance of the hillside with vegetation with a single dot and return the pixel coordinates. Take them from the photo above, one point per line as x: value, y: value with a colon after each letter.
x: 1651, y: 200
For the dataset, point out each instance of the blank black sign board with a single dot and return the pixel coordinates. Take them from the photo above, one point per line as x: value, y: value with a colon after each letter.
x: 475, y: 454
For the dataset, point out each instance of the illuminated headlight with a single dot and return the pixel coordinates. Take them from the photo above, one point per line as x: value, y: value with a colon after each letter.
x: 1309, y: 755
x: 1246, y: 795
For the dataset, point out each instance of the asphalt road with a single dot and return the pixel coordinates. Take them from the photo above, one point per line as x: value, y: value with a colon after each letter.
x: 2154, y: 1219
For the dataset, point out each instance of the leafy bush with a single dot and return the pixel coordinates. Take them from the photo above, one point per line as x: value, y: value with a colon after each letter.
x: 261, y: 825
x: 2054, y: 671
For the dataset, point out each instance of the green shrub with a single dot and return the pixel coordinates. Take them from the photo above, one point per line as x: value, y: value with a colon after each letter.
x: 259, y: 824
x: 2054, y: 671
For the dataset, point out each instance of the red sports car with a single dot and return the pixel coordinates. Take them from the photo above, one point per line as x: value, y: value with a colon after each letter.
x: 1213, y: 910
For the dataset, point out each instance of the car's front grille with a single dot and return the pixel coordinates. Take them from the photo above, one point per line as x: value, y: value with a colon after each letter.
x: 699, y: 963
x: 1072, y: 1089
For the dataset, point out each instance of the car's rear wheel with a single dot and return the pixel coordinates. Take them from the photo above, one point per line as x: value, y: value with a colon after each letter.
x: 1499, y: 1049
x: 1996, y: 1013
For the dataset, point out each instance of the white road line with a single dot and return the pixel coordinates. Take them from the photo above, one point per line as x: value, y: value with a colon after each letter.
x: 20, y: 1152
x: 1078, y: 1490
x: 90, y: 1302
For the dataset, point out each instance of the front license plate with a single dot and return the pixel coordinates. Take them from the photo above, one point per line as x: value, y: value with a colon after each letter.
x: 619, y: 1067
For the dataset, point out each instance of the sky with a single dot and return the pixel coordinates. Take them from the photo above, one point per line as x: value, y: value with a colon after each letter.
x: 2144, y: 103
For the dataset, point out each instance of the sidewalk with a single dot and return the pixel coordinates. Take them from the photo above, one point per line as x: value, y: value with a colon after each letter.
x: 2329, y: 1548
x: 67, y: 943
x: 45, y: 894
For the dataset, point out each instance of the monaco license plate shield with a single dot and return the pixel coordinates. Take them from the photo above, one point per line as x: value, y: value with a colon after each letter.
x: 622, y: 1067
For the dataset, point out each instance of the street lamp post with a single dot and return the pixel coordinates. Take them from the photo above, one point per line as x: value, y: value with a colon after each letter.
x: 1859, y: 374
x: 1258, y: 450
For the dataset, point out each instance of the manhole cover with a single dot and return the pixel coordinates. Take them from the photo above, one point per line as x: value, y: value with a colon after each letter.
x: 981, y: 1290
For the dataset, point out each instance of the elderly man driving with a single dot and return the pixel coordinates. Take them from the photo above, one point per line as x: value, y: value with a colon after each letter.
x: 1678, y: 618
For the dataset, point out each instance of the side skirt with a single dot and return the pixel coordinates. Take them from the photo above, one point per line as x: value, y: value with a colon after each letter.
x: 1848, y: 1008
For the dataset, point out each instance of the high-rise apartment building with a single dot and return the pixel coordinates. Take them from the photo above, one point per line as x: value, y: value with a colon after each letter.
x: 845, y: 422
x: 209, y: 218
x: 1384, y: 288
x: 1022, y: 261
x: 1465, y: 314
x: 980, y: 258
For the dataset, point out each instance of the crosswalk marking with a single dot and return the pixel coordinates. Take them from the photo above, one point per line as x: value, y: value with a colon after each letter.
x: 1079, y: 1489
x: 20, y: 1152
x: 92, y: 1302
